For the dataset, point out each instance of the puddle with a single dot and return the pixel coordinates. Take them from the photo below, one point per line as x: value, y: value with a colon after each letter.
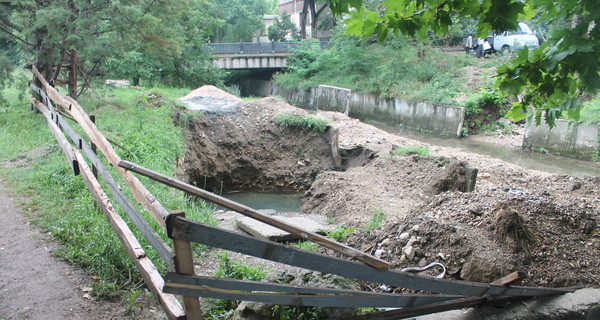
x: 281, y: 202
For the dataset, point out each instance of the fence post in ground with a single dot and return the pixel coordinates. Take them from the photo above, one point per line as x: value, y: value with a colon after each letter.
x: 184, y: 264
x: 94, y: 148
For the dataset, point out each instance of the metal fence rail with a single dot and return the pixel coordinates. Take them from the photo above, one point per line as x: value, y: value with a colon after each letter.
x: 256, y: 47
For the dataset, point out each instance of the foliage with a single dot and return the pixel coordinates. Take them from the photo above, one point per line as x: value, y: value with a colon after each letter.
x: 376, y: 220
x: 307, y: 123
x: 235, y: 270
x: 477, y: 105
x: 297, y: 313
x: 420, y: 151
x: 241, y: 20
x: 553, y: 77
x: 136, y: 39
x: 282, y: 28
x: 397, y: 68
x: 340, y: 233
x: 306, y: 245
x: 590, y: 111
x: 61, y: 205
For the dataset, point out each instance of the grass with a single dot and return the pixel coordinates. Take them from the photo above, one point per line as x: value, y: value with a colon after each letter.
x: 420, y: 151
x: 307, y: 123
x: 59, y: 203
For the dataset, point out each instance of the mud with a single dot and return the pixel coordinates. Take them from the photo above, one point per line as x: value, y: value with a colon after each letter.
x: 545, y: 225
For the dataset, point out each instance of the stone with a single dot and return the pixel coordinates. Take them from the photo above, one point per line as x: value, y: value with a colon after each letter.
x: 264, y: 231
x: 409, y: 252
x: 404, y: 236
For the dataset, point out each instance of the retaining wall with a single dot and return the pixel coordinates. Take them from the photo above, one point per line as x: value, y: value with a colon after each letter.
x: 436, y: 118
x: 566, y: 138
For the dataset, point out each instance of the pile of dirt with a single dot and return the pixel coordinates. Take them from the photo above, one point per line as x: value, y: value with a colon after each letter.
x: 516, y: 219
x: 210, y: 91
x: 248, y: 150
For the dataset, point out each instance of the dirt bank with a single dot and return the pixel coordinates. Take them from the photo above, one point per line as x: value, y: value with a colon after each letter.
x: 516, y: 219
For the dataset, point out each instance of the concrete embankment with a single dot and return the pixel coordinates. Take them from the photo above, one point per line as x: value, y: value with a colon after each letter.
x: 442, y: 119
x: 566, y: 138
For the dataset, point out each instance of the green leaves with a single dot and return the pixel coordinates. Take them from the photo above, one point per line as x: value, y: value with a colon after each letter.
x: 551, y: 78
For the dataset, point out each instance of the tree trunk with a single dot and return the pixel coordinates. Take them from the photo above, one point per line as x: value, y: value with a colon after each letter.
x: 303, y: 15
x: 313, y: 19
x: 73, y: 75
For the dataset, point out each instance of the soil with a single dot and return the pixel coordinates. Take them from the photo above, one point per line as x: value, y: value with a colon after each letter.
x: 516, y: 219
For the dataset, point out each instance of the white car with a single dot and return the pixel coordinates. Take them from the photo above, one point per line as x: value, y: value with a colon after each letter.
x: 510, y: 41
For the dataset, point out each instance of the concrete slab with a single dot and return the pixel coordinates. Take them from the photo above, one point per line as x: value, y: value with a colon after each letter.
x: 582, y: 304
x: 211, y: 104
x: 267, y: 232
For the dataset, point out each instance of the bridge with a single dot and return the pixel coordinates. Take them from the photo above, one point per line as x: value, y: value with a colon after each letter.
x: 253, y: 55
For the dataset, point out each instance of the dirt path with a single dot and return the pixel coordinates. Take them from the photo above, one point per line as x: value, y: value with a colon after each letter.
x: 35, y: 285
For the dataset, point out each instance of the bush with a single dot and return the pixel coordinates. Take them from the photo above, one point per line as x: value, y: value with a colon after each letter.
x: 397, y: 68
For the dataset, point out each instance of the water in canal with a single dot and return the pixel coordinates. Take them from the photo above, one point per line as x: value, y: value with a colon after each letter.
x: 527, y: 160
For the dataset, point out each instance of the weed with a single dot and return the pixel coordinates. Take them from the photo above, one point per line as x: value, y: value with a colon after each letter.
x: 306, y: 245
x: 296, y: 313
x: 420, y: 151
x: 234, y: 270
x: 540, y: 150
x: 376, y: 220
x: 307, y: 123
x: 506, y: 129
x: 340, y: 233
x: 464, y: 132
x: 130, y: 299
x: 186, y: 118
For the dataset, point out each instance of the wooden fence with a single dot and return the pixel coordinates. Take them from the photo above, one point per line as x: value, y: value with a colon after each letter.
x: 181, y: 279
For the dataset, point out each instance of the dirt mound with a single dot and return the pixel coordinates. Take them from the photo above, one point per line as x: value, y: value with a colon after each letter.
x: 247, y: 150
x: 210, y: 91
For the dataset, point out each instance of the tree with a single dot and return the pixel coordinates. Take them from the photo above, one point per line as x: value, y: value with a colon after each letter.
x: 310, y: 7
x: 83, y: 34
x: 549, y: 81
x: 282, y: 28
x: 241, y: 20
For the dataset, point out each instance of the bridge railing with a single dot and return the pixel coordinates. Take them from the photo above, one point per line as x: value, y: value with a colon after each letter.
x: 255, y: 47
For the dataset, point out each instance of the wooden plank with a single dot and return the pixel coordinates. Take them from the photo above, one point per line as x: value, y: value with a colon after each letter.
x: 141, y: 194
x: 161, y: 247
x: 511, y: 278
x: 224, y: 239
x: 63, y: 143
x: 421, y: 310
x: 247, y: 211
x: 470, y: 302
x: 180, y: 282
x: 184, y: 264
x: 291, y: 295
x: 135, y: 251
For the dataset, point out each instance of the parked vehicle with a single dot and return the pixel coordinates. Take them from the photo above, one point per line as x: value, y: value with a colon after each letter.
x: 508, y: 41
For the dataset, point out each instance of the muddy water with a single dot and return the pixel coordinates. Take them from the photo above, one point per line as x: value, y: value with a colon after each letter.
x: 527, y: 160
x: 281, y: 202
